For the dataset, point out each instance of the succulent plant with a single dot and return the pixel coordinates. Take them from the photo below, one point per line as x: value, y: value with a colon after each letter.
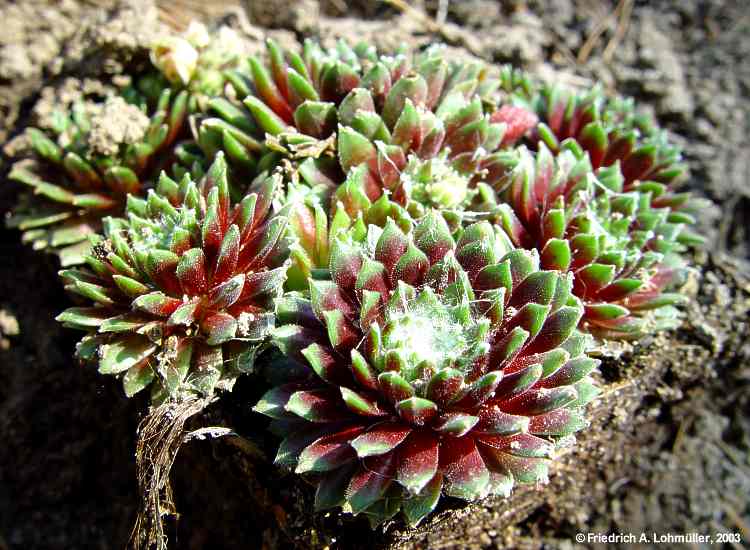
x: 182, y: 290
x: 622, y: 250
x: 433, y: 366
x: 424, y: 249
x: 417, y: 123
x: 85, y: 167
x: 611, y: 131
x: 361, y: 138
x: 98, y: 153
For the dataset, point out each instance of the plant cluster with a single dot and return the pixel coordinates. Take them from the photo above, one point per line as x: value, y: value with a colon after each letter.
x: 420, y: 253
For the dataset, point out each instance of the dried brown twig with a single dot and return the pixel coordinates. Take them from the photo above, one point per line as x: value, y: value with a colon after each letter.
x: 626, y: 9
x: 160, y: 436
x: 429, y: 23
x: 591, y: 41
x: 621, y: 14
x: 178, y: 14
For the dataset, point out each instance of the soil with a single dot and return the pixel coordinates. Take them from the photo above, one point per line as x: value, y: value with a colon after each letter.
x: 669, y: 446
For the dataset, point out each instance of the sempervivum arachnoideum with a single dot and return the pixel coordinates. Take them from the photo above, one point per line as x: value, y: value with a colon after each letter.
x: 85, y: 167
x: 183, y: 289
x: 623, y: 251
x: 436, y: 367
x: 417, y: 123
x: 611, y: 131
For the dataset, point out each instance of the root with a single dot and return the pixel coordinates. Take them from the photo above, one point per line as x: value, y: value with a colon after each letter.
x: 160, y: 436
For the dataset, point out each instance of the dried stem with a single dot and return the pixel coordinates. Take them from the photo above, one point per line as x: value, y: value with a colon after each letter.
x: 160, y: 436
x: 442, y: 11
x: 626, y: 9
x: 738, y: 521
x: 177, y: 14
x: 621, y: 14
x: 593, y: 38
x: 429, y: 23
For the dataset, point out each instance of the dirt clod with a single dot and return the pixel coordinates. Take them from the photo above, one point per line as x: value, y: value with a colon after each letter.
x: 114, y: 124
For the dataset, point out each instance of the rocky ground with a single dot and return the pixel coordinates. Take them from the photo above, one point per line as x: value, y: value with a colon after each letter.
x: 683, y: 461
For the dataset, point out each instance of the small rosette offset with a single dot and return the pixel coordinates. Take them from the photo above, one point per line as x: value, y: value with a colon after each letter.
x: 183, y: 289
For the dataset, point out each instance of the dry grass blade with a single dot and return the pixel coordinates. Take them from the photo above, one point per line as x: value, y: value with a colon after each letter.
x: 446, y: 32
x: 626, y: 9
x: 681, y: 431
x: 591, y: 41
x: 160, y: 436
x: 612, y: 389
x: 442, y: 12
x: 621, y: 14
x: 738, y: 521
x: 178, y: 14
x: 429, y: 23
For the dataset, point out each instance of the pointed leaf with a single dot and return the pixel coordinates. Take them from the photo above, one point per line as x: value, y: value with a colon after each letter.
x: 219, y: 328
x: 455, y: 424
x: 416, y: 410
x: 380, y: 439
x: 360, y: 404
x: 328, y: 452
x: 315, y: 406
x: 466, y: 475
x: 417, y: 507
x: 370, y: 482
x: 124, y: 353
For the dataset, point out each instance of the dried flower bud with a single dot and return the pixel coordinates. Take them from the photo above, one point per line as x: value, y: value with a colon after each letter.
x: 176, y: 58
x: 197, y: 35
